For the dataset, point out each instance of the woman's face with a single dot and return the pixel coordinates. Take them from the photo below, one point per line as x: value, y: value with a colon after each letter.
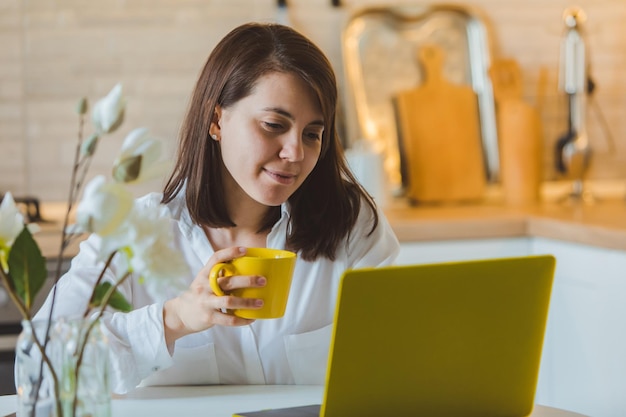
x: 270, y: 140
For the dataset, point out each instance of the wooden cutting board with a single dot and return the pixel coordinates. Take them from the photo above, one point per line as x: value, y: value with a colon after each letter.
x: 520, y: 135
x: 439, y: 131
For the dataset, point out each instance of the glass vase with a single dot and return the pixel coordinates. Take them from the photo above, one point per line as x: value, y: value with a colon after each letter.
x: 73, y: 344
x: 28, y: 368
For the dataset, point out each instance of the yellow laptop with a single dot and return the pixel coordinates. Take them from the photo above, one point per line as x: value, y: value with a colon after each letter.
x: 458, y: 339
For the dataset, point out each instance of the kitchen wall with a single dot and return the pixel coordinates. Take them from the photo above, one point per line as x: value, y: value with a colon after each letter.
x: 54, y: 51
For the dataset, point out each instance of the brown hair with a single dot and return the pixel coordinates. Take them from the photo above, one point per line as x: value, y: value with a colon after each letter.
x: 325, y: 207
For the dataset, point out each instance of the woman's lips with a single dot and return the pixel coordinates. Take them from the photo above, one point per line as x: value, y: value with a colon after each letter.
x: 281, y: 177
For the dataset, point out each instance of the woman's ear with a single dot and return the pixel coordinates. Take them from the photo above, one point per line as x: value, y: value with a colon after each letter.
x: 214, y: 130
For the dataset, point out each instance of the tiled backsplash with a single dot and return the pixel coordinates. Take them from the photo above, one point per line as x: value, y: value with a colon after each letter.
x: 53, y: 52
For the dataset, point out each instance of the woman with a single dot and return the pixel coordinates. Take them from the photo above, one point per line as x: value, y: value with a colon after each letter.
x: 259, y: 165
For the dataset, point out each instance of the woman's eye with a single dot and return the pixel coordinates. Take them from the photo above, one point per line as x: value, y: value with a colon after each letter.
x: 273, y: 126
x: 313, y: 135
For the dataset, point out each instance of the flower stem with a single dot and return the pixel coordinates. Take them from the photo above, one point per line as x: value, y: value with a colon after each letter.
x: 83, y: 341
x: 26, y: 315
x: 16, y: 300
x: 55, y: 379
x: 93, y: 292
x: 73, y: 193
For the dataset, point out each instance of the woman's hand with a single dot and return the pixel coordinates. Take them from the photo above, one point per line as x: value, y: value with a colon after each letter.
x: 199, y: 308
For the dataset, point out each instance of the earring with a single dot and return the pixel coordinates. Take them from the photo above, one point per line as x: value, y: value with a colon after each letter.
x: 214, y: 136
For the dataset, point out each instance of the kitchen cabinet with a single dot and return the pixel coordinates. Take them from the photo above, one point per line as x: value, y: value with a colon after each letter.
x: 462, y: 249
x: 584, y: 356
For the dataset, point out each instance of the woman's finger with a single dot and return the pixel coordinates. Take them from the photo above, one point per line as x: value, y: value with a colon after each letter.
x: 230, y: 302
x: 233, y: 282
x: 223, y: 255
x: 226, y: 255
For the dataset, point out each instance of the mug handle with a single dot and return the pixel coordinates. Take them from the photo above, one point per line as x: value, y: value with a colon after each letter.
x: 229, y: 269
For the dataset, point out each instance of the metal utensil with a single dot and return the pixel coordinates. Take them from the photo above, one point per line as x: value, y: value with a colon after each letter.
x: 573, y: 152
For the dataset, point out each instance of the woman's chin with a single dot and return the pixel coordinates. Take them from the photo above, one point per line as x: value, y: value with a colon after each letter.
x: 271, y: 200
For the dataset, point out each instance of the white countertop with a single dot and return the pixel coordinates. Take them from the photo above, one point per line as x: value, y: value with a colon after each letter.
x: 223, y: 401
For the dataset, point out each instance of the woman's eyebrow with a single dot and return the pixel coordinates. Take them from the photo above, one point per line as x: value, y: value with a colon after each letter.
x: 280, y: 111
x: 290, y: 116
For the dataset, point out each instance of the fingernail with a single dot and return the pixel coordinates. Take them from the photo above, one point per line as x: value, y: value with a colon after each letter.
x: 258, y: 303
x: 242, y: 249
x: 261, y: 280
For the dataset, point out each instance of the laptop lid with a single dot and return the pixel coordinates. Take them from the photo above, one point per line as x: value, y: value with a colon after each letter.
x: 438, y: 340
x: 448, y: 339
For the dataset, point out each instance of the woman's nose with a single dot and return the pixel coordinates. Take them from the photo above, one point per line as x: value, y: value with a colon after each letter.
x: 292, y: 149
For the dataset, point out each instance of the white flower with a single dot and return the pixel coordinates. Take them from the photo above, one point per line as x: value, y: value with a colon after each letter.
x: 108, y: 112
x: 11, y: 221
x: 145, y: 242
x: 104, y: 206
x: 11, y: 224
x: 138, y: 160
x: 160, y: 266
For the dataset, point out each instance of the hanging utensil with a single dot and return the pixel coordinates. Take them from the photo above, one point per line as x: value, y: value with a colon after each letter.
x: 573, y: 152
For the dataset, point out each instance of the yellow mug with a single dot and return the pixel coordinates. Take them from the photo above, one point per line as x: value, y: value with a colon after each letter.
x: 275, y: 265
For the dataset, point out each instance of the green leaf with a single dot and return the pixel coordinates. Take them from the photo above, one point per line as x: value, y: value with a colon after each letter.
x: 27, y: 267
x: 117, y: 300
x: 128, y: 169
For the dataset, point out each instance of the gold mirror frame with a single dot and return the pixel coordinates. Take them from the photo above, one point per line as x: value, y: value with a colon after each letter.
x: 379, y: 51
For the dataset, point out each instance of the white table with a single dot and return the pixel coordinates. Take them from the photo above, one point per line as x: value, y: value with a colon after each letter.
x: 223, y: 401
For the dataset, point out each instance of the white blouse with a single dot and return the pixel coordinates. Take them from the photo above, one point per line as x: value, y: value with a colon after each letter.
x: 289, y: 350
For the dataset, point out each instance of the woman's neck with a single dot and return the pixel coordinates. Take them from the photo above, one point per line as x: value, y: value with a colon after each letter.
x: 227, y: 237
x: 250, y: 219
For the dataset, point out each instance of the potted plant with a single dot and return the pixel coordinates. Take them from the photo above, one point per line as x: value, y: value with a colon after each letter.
x: 62, y: 363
